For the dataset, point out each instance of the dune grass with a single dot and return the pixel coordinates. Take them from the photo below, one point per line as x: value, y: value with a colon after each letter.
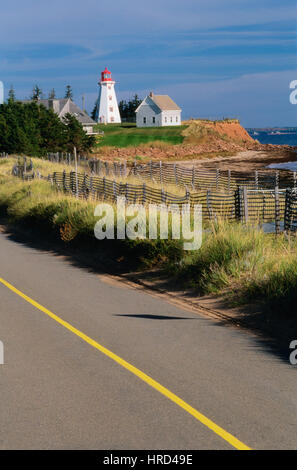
x: 45, y: 167
x: 244, y: 263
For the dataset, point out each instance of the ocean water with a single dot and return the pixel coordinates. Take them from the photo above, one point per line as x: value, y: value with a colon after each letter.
x: 284, y: 166
x: 277, y: 136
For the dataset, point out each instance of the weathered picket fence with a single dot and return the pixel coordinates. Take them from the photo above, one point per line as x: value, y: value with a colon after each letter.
x: 196, y: 177
x: 290, y: 223
x: 244, y: 202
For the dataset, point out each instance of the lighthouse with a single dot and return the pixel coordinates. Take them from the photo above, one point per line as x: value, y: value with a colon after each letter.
x: 107, y: 106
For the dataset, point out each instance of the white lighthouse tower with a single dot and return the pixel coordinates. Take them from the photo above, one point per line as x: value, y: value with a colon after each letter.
x: 107, y: 106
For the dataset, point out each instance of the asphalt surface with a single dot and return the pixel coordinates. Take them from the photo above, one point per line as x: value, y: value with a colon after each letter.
x: 59, y: 392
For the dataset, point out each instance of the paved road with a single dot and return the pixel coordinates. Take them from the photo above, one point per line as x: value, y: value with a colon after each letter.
x: 59, y: 392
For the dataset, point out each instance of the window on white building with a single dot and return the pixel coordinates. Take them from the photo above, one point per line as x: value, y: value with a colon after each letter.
x: 171, y: 119
x: 110, y: 97
x: 112, y: 119
x: 111, y: 109
x: 154, y: 120
x: 176, y: 118
x: 165, y: 119
x: 144, y: 120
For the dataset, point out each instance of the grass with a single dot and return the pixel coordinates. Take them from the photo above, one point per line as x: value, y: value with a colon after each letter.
x: 39, y: 206
x: 45, y: 167
x: 244, y: 264
x: 128, y: 135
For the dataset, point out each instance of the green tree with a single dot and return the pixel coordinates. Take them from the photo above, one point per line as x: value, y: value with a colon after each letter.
x: 11, y: 94
x: 127, y: 108
x: 32, y: 129
x: 52, y: 94
x: 94, y: 112
x: 69, y: 92
x: 76, y: 136
x: 36, y: 93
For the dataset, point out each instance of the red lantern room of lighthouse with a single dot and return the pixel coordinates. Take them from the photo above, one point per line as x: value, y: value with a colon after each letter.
x: 106, y: 75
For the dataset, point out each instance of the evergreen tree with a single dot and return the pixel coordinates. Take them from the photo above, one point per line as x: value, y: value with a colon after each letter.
x: 32, y: 129
x: 11, y: 94
x: 69, y: 92
x: 127, y: 108
x: 52, y: 94
x: 76, y: 136
x: 93, y: 113
x: 36, y: 93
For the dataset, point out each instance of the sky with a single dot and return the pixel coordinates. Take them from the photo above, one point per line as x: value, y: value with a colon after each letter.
x: 232, y: 58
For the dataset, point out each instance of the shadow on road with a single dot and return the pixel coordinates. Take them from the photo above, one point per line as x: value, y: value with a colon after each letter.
x: 154, y: 317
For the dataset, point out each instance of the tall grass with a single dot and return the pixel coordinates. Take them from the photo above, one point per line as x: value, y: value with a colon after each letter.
x: 244, y: 263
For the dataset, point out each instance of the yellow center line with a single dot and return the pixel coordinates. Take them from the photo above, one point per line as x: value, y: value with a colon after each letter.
x: 141, y: 375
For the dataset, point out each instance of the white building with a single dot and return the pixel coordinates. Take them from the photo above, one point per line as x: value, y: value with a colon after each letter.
x: 107, y: 111
x: 158, y: 110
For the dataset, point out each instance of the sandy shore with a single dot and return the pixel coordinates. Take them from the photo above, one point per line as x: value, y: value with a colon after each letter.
x: 246, y: 160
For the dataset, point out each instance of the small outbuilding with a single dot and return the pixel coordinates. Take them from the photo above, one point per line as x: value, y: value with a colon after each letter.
x: 158, y: 111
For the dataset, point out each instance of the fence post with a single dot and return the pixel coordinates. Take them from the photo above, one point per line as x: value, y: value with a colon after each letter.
x: 237, y: 203
x: 277, y: 211
x: 256, y: 180
x: 287, y: 217
x: 276, y: 178
x: 76, y: 174
x: 104, y: 187
x: 193, y: 177
x: 175, y: 173
x: 208, y: 203
x: 217, y: 178
x: 229, y: 181
x: 187, y: 194
x: 163, y: 196
x: 161, y: 173
x: 85, y: 187
x: 114, y: 187
x: 245, y: 204
x: 91, y: 187
x: 64, y: 180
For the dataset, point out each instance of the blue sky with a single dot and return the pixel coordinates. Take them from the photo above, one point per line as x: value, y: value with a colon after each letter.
x: 215, y: 58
